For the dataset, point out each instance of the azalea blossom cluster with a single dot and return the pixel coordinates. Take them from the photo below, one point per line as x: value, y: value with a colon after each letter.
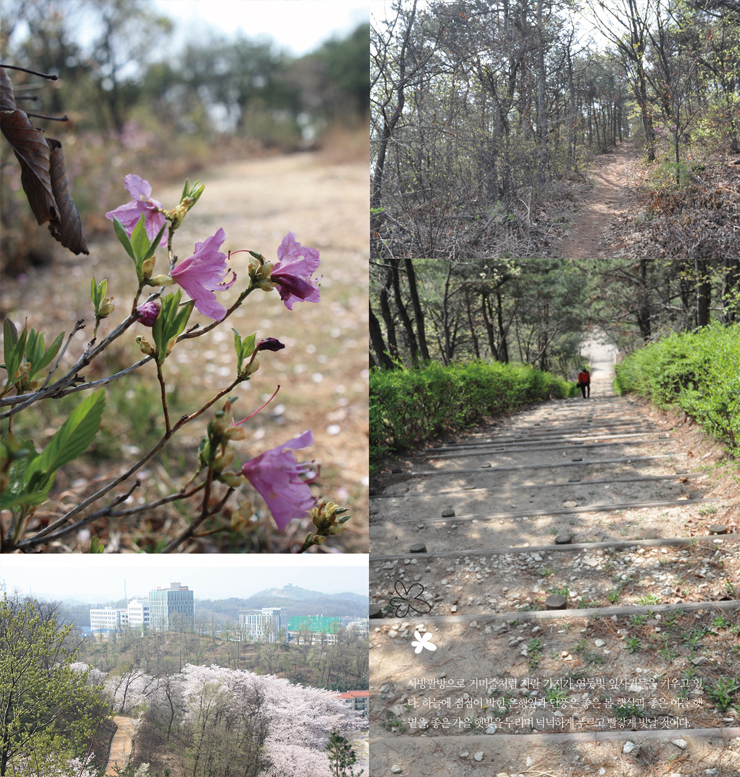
x: 275, y: 474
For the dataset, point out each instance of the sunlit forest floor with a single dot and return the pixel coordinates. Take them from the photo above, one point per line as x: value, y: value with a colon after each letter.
x: 322, y: 372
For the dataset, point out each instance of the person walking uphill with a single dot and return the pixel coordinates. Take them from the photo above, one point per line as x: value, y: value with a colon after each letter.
x: 584, y: 382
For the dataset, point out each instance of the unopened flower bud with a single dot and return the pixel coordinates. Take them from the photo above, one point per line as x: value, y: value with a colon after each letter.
x: 218, y: 425
x: 265, y: 271
x: 145, y: 346
x: 266, y: 285
x: 148, y: 312
x: 270, y: 344
x: 232, y: 479
x: 171, y: 345
x: 250, y: 369
x: 147, y: 267
x: 223, y: 460
x: 161, y: 280
x: 106, y: 307
x: 235, y: 433
x: 240, y: 518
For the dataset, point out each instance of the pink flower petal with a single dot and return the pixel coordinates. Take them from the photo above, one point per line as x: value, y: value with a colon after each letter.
x: 276, y: 475
x: 141, y: 203
x: 203, y: 273
x: 293, y: 272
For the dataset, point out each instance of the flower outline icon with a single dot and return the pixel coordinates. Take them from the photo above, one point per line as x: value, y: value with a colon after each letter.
x: 422, y: 641
x: 406, y: 599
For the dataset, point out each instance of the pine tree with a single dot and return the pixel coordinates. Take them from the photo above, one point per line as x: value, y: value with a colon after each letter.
x: 341, y: 756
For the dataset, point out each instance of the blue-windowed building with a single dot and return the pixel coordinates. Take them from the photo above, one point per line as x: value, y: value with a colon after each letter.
x: 171, y: 608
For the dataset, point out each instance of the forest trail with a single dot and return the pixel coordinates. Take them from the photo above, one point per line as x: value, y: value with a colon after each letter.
x: 609, y: 174
x: 122, y: 744
x: 602, y: 502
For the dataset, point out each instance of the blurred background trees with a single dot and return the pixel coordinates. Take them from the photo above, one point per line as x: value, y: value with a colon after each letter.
x: 127, y: 95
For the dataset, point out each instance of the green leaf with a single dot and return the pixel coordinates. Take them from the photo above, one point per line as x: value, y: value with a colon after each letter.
x: 48, y: 356
x: 140, y: 240
x: 170, y: 323
x: 22, y: 454
x: 72, y: 439
x: 96, y: 546
x: 248, y: 345
x: 238, y: 349
x: 15, y: 357
x: 10, y: 334
x: 123, y: 238
x: 153, y: 245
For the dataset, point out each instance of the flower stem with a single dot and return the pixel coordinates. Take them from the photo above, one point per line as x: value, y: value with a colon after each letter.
x: 163, y: 391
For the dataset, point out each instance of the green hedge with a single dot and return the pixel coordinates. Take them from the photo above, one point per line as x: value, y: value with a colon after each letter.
x: 698, y: 372
x: 409, y: 407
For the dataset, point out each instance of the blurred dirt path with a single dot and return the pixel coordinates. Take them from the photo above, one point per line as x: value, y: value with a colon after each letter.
x: 122, y: 744
x: 323, y: 371
x: 610, y: 175
x: 601, y: 357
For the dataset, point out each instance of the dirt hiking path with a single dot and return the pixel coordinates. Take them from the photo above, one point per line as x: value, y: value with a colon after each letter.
x: 603, y: 502
x: 610, y: 174
x: 122, y: 744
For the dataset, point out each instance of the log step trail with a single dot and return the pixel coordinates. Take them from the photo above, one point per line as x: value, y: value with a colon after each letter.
x: 476, y: 543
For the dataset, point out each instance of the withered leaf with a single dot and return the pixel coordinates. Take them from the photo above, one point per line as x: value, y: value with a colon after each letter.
x: 43, y: 174
x: 32, y: 150
x: 7, y: 97
x: 68, y: 229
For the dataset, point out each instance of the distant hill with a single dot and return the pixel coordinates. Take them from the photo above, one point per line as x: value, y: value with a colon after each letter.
x: 292, y: 599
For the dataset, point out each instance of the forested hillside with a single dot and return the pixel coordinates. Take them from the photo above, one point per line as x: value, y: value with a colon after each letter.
x: 486, y: 121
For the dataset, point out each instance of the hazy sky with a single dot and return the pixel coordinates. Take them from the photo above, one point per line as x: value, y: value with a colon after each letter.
x: 100, y: 577
x: 297, y: 25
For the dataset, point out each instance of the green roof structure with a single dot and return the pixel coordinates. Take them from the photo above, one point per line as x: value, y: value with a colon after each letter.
x: 316, y: 625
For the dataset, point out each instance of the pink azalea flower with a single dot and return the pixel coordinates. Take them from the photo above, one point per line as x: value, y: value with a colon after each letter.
x: 277, y: 476
x: 141, y: 202
x: 293, y: 272
x: 203, y: 273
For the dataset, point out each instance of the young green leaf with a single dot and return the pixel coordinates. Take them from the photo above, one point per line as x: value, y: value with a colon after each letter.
x: 52, y: 351
x: 153, y: 245
x: 10, y: 334
x: 14, y: 459
x: 123, y: 238
x: 140, y: 240
x: 72, y: 439
x: 238, y: 349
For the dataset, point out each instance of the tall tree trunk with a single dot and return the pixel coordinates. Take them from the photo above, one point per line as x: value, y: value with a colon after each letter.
x: 473, y: 335
x: 418, y: 311
x: 376, y: 338
x: 541, y: 112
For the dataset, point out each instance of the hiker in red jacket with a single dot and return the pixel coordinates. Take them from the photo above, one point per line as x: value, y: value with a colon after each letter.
x: 584, y: 382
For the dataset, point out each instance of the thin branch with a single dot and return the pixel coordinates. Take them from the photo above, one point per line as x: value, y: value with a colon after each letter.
x: 50, y: 118
x: 185, y: 535
x: 41, y: 536
x: 163, y: 392
x: 82, y: 362
x: 50, y: 76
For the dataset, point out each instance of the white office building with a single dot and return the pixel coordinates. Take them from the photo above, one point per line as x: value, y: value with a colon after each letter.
x: 138, y: 613
x: 261, y: 626
x: 108, y: 619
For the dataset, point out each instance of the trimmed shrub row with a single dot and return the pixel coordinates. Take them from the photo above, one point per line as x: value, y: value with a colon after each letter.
x: 698, y: 372
x: 409, y: 407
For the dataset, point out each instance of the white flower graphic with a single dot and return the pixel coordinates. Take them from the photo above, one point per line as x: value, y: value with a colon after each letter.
x: 422, y: 642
